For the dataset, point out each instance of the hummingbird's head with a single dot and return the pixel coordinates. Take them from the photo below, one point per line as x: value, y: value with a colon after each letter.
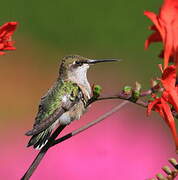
x: 70, y: 65
x: 74, y: 68
x: 76, y: 64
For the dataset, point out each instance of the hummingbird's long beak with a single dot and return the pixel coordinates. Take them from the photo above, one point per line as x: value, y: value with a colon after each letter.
x: 94, y: 61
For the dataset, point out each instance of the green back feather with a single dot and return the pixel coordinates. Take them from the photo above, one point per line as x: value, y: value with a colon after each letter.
x: 52, y: 100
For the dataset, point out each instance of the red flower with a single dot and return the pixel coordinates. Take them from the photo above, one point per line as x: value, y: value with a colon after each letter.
x: 6, y: 32
x: 169, y: 83
x: 165, y: 29
x: 162, y: 107
x: 168, y: 98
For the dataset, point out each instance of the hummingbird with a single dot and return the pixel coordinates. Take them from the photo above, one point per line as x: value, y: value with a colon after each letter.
x: 65, y: 101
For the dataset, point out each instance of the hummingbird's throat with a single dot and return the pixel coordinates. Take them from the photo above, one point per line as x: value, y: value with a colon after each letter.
x: 79, y: 76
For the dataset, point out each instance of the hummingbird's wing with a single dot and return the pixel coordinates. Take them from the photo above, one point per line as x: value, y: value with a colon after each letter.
x: 58, y: 100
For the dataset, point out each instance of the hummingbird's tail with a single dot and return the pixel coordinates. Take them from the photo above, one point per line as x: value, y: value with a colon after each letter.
x: 39, y: 140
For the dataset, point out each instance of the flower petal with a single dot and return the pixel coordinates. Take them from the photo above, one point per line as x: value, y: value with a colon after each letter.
x: 169, y: 76
x: 154, y: 18
x: 168, y: 117
x: 2, y: 53
x: 154, y: 37
x: 151, y: 106
x: 7, y: 29
x: 168, y: 81
x: 168, y: 46
x: 6, y: 32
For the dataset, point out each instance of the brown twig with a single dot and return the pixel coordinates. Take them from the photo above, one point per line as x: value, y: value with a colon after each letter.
x: 41, y: 154
x: 90, y: 124
x: 51, y: 141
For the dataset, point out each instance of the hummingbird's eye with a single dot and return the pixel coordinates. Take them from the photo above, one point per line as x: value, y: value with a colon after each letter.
x: 79, y: 63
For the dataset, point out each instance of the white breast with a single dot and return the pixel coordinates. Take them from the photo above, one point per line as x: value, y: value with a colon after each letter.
x: 79, y: 76
x: 65, y: 119
x: 73, y: 114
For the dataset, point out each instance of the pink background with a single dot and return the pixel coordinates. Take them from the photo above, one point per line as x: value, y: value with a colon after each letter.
x: 127, y: 145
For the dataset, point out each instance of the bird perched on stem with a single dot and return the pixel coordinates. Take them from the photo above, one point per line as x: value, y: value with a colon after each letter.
x: 65, y: 101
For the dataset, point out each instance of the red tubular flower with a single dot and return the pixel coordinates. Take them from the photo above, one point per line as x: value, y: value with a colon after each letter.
x: 168, y: 99
x: 6, y: 32
x: 161, y: 106
x: 169, y: 83
x: 165, y: 29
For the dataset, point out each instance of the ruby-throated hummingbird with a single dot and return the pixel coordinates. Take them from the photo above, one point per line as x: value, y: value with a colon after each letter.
x: 65, y: 101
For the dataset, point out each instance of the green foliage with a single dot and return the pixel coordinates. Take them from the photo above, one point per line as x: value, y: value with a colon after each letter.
x: 127, y: 89
x: 104, y: 28
x: 77, y: 24
x: 135, y: 95
x: 96, y: 91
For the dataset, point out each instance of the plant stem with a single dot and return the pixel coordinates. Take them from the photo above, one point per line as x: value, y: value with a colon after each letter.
x: 90, y: 124
x: 51, y: 142
x: 42, y: 153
